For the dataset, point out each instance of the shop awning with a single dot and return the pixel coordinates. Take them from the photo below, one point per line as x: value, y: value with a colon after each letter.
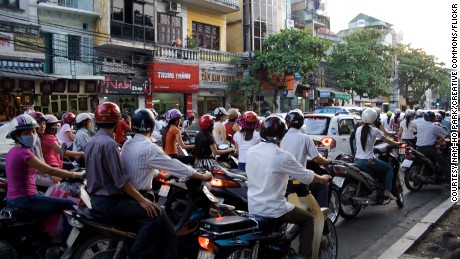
x: 24, y: 73
x: 80, y: 77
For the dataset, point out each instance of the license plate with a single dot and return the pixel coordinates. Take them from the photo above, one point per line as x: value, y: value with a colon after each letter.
x: 337, y: 180
x: 72, y: 237
x: 164, y: 190
x: 205, y: 255
x: 402, y: 151
x: 407, y: 163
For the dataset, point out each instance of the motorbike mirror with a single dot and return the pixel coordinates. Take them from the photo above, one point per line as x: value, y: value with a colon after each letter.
x: 229, y: 137
x: 223, y: 146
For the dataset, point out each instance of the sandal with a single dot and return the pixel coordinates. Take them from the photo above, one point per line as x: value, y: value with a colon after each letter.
x: 389, y: 195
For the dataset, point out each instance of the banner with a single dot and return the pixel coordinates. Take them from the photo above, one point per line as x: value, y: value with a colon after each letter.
x: 173, y: 78
x: 120, y: 85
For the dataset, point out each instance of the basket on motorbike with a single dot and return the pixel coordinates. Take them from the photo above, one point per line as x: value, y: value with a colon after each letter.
x: 228, y: 226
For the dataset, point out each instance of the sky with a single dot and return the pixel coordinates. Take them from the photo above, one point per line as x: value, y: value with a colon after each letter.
x: 424, y: 24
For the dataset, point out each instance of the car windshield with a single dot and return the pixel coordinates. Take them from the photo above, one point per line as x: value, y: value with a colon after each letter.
x: 317, y: 125
x: 193, y: 127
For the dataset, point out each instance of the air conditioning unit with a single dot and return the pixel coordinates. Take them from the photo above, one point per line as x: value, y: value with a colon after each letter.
x: 172, y: 7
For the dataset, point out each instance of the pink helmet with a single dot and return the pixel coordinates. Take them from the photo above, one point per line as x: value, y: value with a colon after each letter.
x: 173, y: 114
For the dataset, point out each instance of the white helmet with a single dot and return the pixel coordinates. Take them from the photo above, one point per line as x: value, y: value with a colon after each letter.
x: 50, y: 118
x: 369, y: 115
x: 22, y: 122
x: 419, y: 113
x: 377, y: 110
x: 409, y: 112
x: 82, y: 116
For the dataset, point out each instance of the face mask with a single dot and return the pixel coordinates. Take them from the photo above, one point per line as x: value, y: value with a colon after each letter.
x: 28, y: 141
x: 53, y: 131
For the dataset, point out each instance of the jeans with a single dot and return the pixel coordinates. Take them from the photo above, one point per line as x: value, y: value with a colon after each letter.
x: 41, y: 205
x: 432, y: 153
x: 379, y: 165
x: 155, y: 238
x: 305, y: 221
x: 242, y: 166
x: 189, y: 160
x: 321, y: 194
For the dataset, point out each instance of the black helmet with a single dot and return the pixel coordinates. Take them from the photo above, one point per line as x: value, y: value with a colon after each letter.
x: 272, y: 129
x: 295, y: 119
x: 429, y: 116
x: 143, y: 120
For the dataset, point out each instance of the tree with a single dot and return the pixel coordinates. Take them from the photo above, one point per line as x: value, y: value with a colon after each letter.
x: 419, y: 72
x: 244, y: 91
x: 362, y: 63
x: 286, y: 53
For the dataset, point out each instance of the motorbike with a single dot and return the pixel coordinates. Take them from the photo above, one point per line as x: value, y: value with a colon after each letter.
x: 420, y: 170
x: 361, y: 186
x: 249, y: 236
x: 95, y: 236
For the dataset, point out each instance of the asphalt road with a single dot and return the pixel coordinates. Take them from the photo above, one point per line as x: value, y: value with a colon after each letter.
x: 376, y: 228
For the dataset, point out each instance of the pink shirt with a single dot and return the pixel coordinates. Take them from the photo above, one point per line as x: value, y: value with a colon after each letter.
x: 52, y: 157
x: 21, y: 181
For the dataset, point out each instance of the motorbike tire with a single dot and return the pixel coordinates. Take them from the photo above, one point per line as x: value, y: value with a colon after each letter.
x: 346, y: 210
x: 334, y: 205
x: 398, y: 193
x: 7, y: 251
x: 329, y: 246
x: 412, y: 185
x: 240, y: 253
x: 95, y: 245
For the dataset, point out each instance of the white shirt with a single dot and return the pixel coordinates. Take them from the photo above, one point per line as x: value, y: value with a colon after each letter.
x: 374, y: 134
x: 268, y: 168
x: 408, y: 133
x: 386, y: 123
x: 139, y: 158
x: 299, y: 145
x: 159, y: 125
x: 244, y: 145
x: 217, y: 136
x: 427, y: 133
x: 62, y: 136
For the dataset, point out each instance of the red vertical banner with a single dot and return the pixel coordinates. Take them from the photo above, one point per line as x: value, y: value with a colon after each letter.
x: 189, y: 101
x: 148, y: 102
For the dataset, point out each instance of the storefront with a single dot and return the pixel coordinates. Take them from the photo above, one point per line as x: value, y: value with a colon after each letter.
x: 173, y: 86
x: 214, y: 80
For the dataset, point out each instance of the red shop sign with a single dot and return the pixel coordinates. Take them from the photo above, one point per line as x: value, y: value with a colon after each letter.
x: 168, y: 77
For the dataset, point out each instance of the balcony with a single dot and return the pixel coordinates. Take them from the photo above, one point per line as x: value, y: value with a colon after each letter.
x: 199, y: 54
x: 213, y: 6
x: 82, y: 7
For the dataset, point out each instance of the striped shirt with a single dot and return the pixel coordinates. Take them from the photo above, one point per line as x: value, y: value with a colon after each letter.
x: 139, y: 158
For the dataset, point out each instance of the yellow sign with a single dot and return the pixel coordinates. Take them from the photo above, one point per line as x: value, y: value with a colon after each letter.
x: 28, y: 43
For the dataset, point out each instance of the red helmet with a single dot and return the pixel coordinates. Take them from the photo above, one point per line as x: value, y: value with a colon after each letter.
x: 107, y: 112
x: 205, y: 122
x: 248, y: 121
x: 38, y: 116
x: 69, y: 117
x: 191, y: 116
x: 250, y: 117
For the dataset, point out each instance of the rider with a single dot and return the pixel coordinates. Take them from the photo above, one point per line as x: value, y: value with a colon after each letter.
x: 366, y: 136
x: 205, y: 146
x: 301, y: 146
x: 172, y: 136
x: 408, y: 127
x: 83, y: 123
x: 396, y: 120
x: 123, y: 125
x: 219, y: 132
x: 65, y: 134
x: 139, y: 156
x: 419, y: 116
x: 231, y: 127
x: 114, y: 196
x: 268, y: 168
x: 246, y: 137
x: 427, y: 134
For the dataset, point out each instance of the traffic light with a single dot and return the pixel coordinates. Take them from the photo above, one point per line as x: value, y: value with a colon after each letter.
x: 437, y: 102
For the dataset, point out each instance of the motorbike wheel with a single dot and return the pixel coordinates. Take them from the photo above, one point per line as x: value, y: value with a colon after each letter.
x: 329, y: 246
x: 346, y: 209
x: 240, y: 253
x: 411, y: 180
x: 7, y: 251
x: 398, y: 193
x: 95, y: 246
x: 334, y: 205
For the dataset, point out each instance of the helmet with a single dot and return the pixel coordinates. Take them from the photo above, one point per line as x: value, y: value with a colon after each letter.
x: 273, y: 129
x: 63, y: 115
x: 267, y: 113
x: 419, y: 113
x: 38, y: 116
x: 220, y: 111
x: 295, y: 118
x: 377, y: 110
x: 443, y: 114
x: 397, y: 111
x: 143, y: 120
x: 232, y: 114
x: 438, y: 117
x: 205, y: 122
x: 50, y: 119
x: 22, y: 122
x: 409, y: 112
x: 173, y: 114
x: 107, y: 112
x: 191, y: 116
x: 81, y: 117
x: 369, y: 115
x: 69, y: 117
x: 29, y: 111
x: 429, y: 116
x: 155, y: 113
x: 248, y: 121
x: 389, y: 113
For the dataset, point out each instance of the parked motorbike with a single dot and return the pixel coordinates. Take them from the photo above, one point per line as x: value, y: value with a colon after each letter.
x: 361, y: 186
x: 248, y: 236
x: 420, y: 170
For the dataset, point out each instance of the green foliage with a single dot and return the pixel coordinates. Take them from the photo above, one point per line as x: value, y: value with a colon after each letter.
x: 362, y: 63
x: 191, y: 41
x: 286, y: 53
x: 419, y: 72
x: 244, y: 91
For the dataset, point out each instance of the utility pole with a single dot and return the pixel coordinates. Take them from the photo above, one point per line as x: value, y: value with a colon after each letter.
x: 395, y: 97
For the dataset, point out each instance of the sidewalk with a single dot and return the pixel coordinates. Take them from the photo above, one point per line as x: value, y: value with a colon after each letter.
x: 416, y: 232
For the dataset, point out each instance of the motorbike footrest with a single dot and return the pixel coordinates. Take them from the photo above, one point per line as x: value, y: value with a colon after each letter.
x: 362, y: 201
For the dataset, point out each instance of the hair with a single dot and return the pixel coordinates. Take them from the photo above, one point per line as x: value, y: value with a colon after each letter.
x: 233, y: 120
x: 365, y: 131
x: 388, y: 119
x: 82, y: 124
x: 247, y: 133
x: 106, y: 125
x: 202, y: 140
x: 175, y: 122
x: 219, y: 117
x: 408, y: 118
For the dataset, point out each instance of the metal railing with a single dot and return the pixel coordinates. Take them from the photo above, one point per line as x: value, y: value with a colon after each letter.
x: 231, y: 3
x: 197, y: 54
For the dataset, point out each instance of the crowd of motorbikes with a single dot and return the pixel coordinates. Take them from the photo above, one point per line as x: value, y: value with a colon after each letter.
x: 210, y: 218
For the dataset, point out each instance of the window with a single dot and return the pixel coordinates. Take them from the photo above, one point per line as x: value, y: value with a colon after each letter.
x: 169, y: 28
x: 73, y: 46
x: 132, y: 20
x: 68, y: 3
x: 317, y: 125
x: 207, y: 35
x: 12, y: 4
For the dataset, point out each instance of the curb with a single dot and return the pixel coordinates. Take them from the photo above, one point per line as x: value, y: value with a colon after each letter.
x: 416, y: 232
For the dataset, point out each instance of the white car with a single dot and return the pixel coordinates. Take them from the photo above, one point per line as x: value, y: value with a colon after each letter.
x: 333, y: 131
x: 6, y: 143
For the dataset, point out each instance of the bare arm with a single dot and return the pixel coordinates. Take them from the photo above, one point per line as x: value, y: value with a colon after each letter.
x: 43, y: 168
x: 70, y: 135
x: 320, y: 160
x: 215, y: 151
x: 181, y: 143
x: 389, y: 141
x: 385, y: 132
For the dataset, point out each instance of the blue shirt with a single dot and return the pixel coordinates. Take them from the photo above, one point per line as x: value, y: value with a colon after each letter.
x: 428, y: 133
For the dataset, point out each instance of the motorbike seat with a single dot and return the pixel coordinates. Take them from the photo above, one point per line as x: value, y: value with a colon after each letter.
x: 267, y: 224
x: 375, y: 173
x: 19, y: 214
x: 237, y: 171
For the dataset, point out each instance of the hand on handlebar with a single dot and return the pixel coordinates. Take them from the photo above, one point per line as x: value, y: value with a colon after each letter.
x: 325, y: 178
x: 207, y: 176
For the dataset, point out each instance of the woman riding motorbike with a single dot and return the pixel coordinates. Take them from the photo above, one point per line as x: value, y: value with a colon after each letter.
x: 246, y: 137
x: 172, y: 136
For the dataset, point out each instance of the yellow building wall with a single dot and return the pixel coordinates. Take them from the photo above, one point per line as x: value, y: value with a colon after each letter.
x: 211, y: 19
x: 235, y: 31
x: 102, y: 25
